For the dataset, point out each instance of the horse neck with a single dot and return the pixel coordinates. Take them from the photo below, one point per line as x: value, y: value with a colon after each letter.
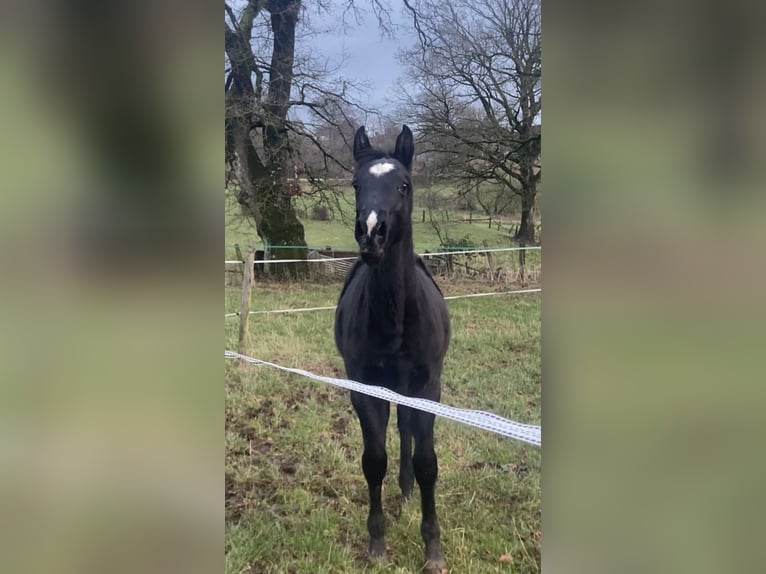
x: 393, y: 276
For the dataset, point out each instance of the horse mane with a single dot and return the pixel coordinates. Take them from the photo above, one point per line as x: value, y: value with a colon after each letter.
x: 422, y: 264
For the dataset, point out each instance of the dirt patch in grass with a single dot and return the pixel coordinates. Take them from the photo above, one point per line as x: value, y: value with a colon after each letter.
x: 265, y: 408
x: 339, y: 425
x: 236, y: 496
x: 294, y: 400
x: 288, y: 467
x: 519, y: 470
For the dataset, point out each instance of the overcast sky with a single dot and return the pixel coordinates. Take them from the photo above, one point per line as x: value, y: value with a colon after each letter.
x: 370, y: 56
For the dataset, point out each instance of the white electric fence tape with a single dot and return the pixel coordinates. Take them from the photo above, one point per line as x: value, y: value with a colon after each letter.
x: 526, y: 433
x: 302, y: 309
x: 495, y: 293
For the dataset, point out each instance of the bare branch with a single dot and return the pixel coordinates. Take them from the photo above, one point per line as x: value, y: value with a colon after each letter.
x: 232, y: 16
x: 425, y: 40
x: 476, y: 97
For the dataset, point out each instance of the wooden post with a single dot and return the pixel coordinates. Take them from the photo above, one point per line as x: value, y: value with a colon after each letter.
x: 470, y: 217
x: 522, y: 262
x: 244, y: 302
x: 490, y: 222
x: 424, y: 216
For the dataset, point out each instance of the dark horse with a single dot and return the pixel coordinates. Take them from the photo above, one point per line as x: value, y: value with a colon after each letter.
x: 392, y: 329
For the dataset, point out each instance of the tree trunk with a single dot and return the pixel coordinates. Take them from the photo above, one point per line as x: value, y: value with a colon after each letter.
x: 280, y: 227
x: 279, y: 222
x: 526, y: 232
x: 264, y: 195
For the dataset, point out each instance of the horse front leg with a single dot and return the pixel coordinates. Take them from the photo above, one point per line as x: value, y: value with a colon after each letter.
x: 373, y: 418
x: 406, y: 472
x: 426, y: 472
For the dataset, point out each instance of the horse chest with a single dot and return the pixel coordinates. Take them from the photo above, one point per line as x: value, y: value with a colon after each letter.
x: 390, y: 333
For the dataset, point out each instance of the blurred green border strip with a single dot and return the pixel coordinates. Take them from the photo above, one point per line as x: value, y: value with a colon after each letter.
x: 653, y: 322
x: 111, y: 395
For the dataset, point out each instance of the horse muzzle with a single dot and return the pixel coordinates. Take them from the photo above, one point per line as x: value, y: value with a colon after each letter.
x: 371, y: 258
x: 372, y: 239
x: 370, y: 250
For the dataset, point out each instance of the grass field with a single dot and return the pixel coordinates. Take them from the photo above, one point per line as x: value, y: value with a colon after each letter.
x: 296, y: 499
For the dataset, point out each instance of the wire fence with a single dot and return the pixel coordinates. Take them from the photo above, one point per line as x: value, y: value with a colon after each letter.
x: 332, y: 307
x: 502, y: 265
x: 426, y: 254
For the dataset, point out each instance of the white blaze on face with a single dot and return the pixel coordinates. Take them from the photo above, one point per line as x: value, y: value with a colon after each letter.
x: 372, y: 219
x: 381, y: 168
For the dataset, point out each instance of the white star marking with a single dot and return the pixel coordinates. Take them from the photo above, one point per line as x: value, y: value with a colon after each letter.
x: 381, y: 168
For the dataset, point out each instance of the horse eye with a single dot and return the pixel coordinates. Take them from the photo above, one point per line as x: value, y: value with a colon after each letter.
x: 405, y: 187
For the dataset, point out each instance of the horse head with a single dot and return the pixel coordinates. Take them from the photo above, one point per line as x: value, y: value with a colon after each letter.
x: 383, y: 190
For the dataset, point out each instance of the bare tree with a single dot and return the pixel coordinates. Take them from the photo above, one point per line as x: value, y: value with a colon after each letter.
x: 326, y: 143
x: 261, y: 106
x: 476, y: 100
x: 274, y: 95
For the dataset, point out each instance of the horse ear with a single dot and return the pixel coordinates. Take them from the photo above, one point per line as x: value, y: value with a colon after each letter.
x: 405, y: 147
x: 361, y: 142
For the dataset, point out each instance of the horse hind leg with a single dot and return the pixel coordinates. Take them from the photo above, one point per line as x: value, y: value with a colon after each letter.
x: 406, y: 472
x: 426, y: 472
x: 373, y: 418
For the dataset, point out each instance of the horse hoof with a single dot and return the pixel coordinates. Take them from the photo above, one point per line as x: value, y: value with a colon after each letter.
x: 377, y: 559
x: 435, y: 567
x: 377, y: 550
x: 406, y: 487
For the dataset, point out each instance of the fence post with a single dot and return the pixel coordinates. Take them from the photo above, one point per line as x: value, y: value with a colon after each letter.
x: 244, y: 302
x: 522, y: 263
x: 424, y: 216
x: 470, y: 217
x: 490, y: 222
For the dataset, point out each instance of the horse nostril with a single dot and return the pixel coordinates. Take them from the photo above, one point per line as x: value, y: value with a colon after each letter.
x: 381, y: 232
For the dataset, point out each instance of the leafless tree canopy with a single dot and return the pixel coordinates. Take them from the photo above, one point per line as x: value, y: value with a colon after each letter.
x: 475, y: 93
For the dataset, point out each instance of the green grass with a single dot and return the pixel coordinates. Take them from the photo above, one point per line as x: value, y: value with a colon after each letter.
x: 296, y: 499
